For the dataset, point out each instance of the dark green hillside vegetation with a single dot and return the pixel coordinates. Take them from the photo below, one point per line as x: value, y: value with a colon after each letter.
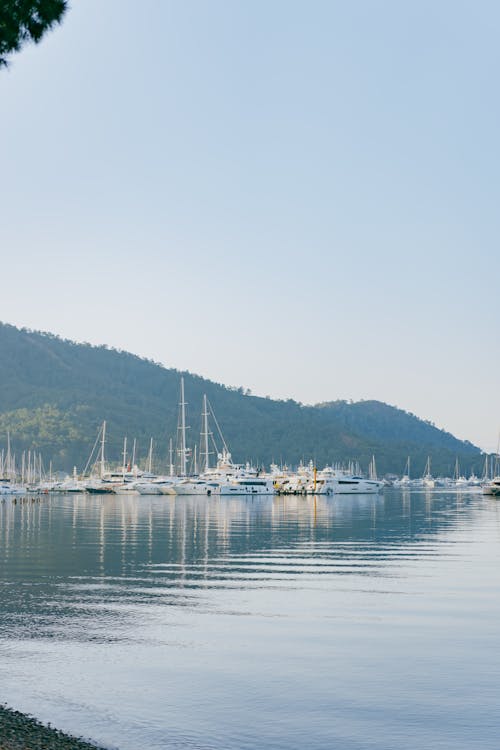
x: 54, y: 394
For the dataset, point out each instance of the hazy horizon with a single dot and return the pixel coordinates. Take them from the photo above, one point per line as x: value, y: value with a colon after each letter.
x: 298, y: 200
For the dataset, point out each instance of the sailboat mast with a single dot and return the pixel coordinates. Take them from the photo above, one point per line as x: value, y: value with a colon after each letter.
x: 150, y: 457
x: 205, y: 454
x: 103, y: 440
x: 124, y: 462
x: 8, y: 472
x: 171, y: 457
x: 183, y: 430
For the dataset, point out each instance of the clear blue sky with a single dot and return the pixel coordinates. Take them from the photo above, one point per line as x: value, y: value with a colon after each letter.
x: 300, y: 198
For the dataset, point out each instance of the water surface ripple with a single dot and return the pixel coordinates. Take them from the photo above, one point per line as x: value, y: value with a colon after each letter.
x: 349, y: 622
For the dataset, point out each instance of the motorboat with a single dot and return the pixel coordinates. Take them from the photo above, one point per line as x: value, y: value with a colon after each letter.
x: 332, y: 481
x: 195, y: 486
x: 492, y: 487
x: 247, y: 485
x: 157, y: 486
x: 6, y: 488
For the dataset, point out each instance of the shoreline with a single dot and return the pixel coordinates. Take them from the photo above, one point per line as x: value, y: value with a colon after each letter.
x: 20, y: 731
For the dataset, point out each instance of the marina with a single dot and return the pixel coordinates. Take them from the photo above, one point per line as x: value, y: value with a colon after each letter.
x: 194, y: 471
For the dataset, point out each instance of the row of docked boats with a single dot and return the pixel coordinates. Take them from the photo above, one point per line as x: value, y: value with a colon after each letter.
x: 233, y: 479
x: 457, y: 482
x: 226, y: 479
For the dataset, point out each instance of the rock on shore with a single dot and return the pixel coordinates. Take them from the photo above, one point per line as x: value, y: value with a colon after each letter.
x: 21, y: 732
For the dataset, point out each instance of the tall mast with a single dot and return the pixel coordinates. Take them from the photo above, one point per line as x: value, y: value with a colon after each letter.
x: 204, y: 436
x: 171, y: 457
x: 103, y: 440
x: 133, y: 454
x: 8, y: 472
x: 150, y: 457
x: 183, y: 430
x: 124, y: 462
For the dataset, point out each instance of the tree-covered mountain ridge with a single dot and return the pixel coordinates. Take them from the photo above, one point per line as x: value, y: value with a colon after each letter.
x: 55, y: 393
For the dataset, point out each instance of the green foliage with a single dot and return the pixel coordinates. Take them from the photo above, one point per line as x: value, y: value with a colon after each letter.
x: 54, y: 394
x: 22, y: 21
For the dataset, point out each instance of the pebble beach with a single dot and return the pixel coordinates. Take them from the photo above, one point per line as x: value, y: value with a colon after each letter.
x: 21, y: 732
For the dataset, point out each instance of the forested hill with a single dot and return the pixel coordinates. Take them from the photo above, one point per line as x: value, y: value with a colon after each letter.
x: 54, y: 394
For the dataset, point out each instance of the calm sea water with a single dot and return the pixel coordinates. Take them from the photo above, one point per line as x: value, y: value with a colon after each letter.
x: 368, y: 623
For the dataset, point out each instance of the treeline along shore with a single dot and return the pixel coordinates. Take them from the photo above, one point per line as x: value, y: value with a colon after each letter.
x: 21, y: 732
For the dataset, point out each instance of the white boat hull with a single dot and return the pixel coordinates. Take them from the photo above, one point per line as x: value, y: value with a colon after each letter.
x: 492, y: 488
x: 12, y: 490
x: 193, y: 488
x: 345, y: 486
x: 247, y: 487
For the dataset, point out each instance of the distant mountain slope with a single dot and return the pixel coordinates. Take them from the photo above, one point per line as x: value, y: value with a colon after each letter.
x: 55, y: 393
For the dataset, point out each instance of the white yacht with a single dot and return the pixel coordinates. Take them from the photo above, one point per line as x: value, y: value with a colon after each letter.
x: 492, y: 487
x: 8, y: 488
x: 331, y: 481
x: 297, y: 483
x: 195, y: 486
x: 234, y: 479
x: 351, y: 484
x: 69, y: 484
x: 247, y: 485
x: 226, y: 478
x: 125, y: 488
x: 157, y: 486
